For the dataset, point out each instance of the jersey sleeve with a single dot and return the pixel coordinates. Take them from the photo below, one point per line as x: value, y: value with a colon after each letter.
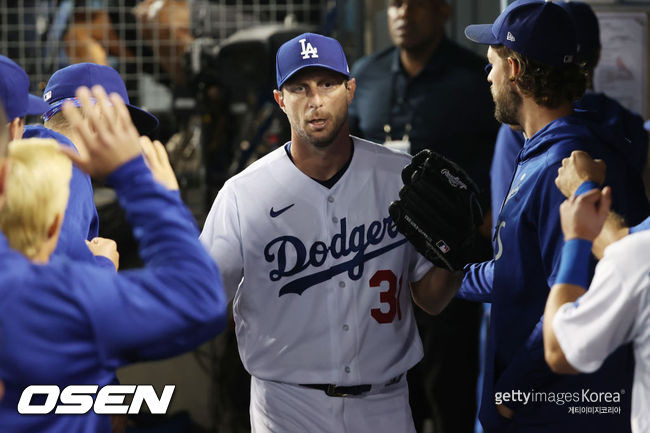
x: 601, y: 320
x: 478, y: 282
x: 221, y: 236
x: 173, y: 304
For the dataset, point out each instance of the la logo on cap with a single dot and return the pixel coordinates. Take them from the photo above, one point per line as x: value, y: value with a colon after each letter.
x: 308, y: 50
x: 510, y: 37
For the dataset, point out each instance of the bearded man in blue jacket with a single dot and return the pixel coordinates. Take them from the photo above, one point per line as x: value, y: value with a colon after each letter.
x: 534, y: 79
x: 633, y: 141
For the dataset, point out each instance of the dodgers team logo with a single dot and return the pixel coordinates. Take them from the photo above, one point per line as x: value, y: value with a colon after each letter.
x: 291, y: 256
x: 308, y: 50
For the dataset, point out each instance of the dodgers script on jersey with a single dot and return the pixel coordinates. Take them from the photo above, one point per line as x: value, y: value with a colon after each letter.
x: 319, y: 277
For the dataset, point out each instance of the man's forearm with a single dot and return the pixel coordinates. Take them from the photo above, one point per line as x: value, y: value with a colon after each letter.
x: 560, y: 294
x: 436, y: 289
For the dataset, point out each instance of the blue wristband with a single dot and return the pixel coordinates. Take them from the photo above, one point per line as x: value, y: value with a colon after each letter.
x: 574, y: 264
x: 586, y: 186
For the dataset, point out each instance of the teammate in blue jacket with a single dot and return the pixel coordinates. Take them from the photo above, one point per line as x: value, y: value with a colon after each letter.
x: 81, y: 222
x: 633, y: 144
x: 73, y: 323
x: 534, y: 80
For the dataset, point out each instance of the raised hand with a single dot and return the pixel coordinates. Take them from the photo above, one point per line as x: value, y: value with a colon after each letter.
x: 105, y: 247
x: 157, y: 160
x: 107, y: 134
x: 578, y: 168
x: 583, y: 216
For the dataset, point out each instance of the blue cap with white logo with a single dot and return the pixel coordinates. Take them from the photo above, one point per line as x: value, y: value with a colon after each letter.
x: 309, y: 50
x: 538, y: 29
x: 14, y: 91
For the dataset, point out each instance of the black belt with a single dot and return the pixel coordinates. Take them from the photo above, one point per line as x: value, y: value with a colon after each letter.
x: 346, y: 391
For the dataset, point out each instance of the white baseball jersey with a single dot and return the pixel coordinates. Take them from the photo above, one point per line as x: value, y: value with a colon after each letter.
x: 615, y: 311
x: 318, y: 277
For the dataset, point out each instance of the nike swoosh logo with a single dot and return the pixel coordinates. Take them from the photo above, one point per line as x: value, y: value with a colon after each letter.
x: 275, y: 213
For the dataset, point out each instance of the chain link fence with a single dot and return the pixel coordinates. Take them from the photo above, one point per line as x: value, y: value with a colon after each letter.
x: 144, y: 40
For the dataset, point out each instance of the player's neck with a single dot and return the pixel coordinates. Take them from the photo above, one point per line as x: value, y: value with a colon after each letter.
x: 414, y: 59
x: 70, y: 134
x: 534, y: 116
x: 321, y: 162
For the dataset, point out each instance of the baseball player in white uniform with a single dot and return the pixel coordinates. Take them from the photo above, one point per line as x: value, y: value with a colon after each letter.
x: 317, y: 272
x: 583, y: 327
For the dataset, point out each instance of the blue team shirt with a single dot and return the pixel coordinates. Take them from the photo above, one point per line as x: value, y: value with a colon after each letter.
x: 527, y: 245
x: 75, y: 323
x: 80, y: 221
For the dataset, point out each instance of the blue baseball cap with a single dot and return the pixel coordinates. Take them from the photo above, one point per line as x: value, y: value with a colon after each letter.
x: 64, y: 83
x: 309, y: 50
x: 537, y: 29
x: 14, y: 91
x: 586, y: 25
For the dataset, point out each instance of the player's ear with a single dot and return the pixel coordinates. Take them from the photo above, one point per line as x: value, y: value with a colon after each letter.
x: 513, y: 68
x: 351, y: 86
x: 279, y: 98
x: 54, y: 228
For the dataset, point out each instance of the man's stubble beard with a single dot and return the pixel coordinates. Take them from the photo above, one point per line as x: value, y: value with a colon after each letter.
x: 507, y: 104
x: 326, y: 141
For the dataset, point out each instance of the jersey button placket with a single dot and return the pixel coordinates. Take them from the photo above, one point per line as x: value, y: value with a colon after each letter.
x: 330, y: 199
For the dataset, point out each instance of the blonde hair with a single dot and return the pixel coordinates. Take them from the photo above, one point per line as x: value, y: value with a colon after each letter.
x: 37, y: 190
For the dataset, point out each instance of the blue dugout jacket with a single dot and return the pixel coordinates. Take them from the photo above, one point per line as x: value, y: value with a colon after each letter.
x: 75, y: 323
x: 527, y: 245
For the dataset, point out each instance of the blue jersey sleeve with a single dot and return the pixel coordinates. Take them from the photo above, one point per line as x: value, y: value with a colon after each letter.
x: 172, y: 305
x: 477, y: 282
